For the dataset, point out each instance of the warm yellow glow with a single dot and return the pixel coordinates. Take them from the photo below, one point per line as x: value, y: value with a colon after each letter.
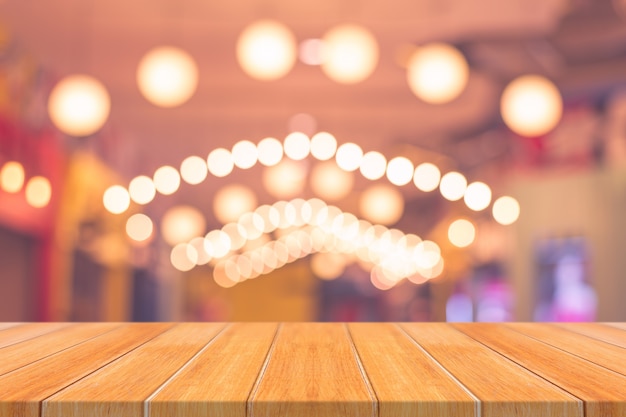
x: 217, y: 243
x: 139, y: 227
x: 477, y: 196
x: 284, y: 180
x: 197, y: 244
x: 251, y: 226
x: 237, y: 240
x: 323, y: 146
x: 12, y: 177
x: 181, y: 224
x: 142, y: 189
x: 330, y: 182
x: 116, y: 199
x: 270, y: 151
x: 381, y: 204
x: 349, y: 156
x: 297, y: 146
x: 166, y: 180
x: 461, y: 233
x: 182, y: 257
x: 244, y: 154
x: 426, y: 177
x: 531, y: 105
x: 79, y: 105
x: 266, y: 50
x: 400, y: 171
x: 220, y: 276
x: 220, y: 162
x: 270, y: 216
x: 373, y: 165
x: 328, y: 266
x: 506, y: 210
x: 437, y: 73
x: 38, y: 191
x: 350, y: 54
x: 231, y: 201
x: 167, y: 76
x: 311, y: 51
x: 427, y: 254
x: 452, y: 186
x: 193, y: 170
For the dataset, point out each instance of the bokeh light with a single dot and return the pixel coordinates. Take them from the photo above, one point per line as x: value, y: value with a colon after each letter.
x: 373, y: 165
x: 270, y: 152
x: 79, y: 105
x: 426, y: 177
x: 349, y: 156
x: 461, y: 233
x: 12, y: 177
x: 506, y: 210
x: 266, y: 50
x: 217, y: 243
x: 193, y: 170
x: 350, y: 54
x: 381, y: 204
x: 231, y: 201
x: 437, y: 73
x: 330, y: 182
x: 181, y: 224
x: 167, y: 76
x: 245, y: 154
x: 220, y: 162
x: 182, y: 257
x: 285, y: 180
x: 323, y: 146
x: 297, y: 146
x: 116, y: 199
x: 477, y: 196
x: 139, y: 228
x: 166, y: 180
x: 142, y: 189
x: 38, y: 191
x: 328, y: 266
x: 452, y: 186
x: 400, y: 171
x: 531, y: 105
x: 311, y: 51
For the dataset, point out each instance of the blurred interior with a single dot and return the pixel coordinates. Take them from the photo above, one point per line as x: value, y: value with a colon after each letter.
x: 363, y: 231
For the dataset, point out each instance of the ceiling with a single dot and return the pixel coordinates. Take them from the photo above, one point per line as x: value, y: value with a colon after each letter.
x: 580, y: 44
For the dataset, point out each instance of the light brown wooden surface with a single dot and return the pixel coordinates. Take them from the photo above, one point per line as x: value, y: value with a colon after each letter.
x: 312, y: 369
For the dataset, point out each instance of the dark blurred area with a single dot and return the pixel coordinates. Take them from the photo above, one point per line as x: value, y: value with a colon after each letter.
x: 312, y: 161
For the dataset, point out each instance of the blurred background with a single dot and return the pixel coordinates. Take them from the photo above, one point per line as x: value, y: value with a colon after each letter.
x: 406, y: 160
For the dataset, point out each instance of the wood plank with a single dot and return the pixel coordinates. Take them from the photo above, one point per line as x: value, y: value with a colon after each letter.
x: 8, y: 325
x: 26, y: 352
x: 218, y: 381
x: 503, y: 387
x: 125, y: 383
x: 25, y: 388
x: 609, y: 334
x: 602, y: 390
x: 406, y: 380
x: 16, y: 334
x: 312, y: 371
x: 601, y: 353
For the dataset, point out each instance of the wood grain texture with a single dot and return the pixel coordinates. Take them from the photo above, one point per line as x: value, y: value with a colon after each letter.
x: 16, y: 334
x: 126, y: 382
x: 8, y: 325
x: 407, y: 382
x: 503, y: 387
x: 601, y: 353
x: 608, y: 332
x: 618, y: 325
x: 218, y: 381
x: 312, y: 371
x: 25, y: 388
x: 20, y: 354
x: 602, y: 390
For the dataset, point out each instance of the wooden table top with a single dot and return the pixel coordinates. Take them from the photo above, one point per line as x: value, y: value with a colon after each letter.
x: 312, y: 369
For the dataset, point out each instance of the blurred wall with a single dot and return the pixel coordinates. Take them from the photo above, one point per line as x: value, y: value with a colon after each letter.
x: 17, y: 289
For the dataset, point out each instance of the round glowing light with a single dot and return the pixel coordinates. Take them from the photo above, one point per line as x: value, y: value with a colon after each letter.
x: 79, y: 105
x: 167, y: 76
x: 116, y: 199
x: 426, y: 177
x: 197, y: 244
x: 427, y: 254
x: 270, y: 151
x: 38, y: 192
x: 297, y: 146
x: 181, y: 224
x: 373, y: 165
x: 461, y: 233
x: 311, y: 51
x: 382, y: 204
x: 349, y: 156
x: 193, y: 170
x: 266, y: 50
x: 12, y: 177
x: 217, y: 243
x: 452, y: 186
x: 323, y: 146
x: 181, y: 259
x: 220, y: 162
x: 237, y: 240
x: 139, y: 227
x: 477, y: 196
x: 142, y: 189
x: 506, y: 210
x: 285, y: 180
x: 232, y: 201
x: 302, y: 122
x: 330, y: 182
x: 328, y: 266
x: 245, y: 154
x: 350, y: 54
x: 531, y: 105
x: 437, y: 73
x: 166, y: 180
x: 400, y: 171
x: 220, y: 276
